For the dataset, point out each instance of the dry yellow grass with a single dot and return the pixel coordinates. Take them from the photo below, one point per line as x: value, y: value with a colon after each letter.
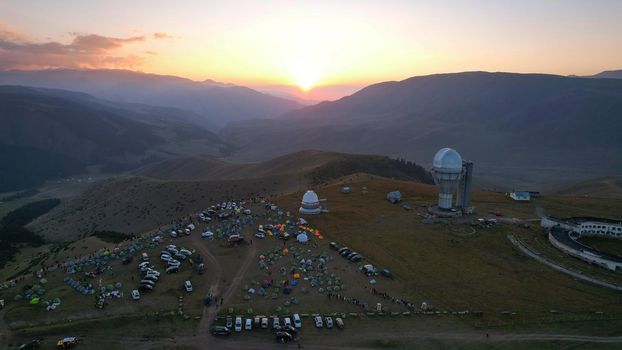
x: 446, y: 264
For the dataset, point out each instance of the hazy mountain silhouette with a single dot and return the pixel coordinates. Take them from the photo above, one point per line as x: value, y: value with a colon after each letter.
x: 525, y: 126
x: 609, y: 74
x: 218, y: 103
x: 47, y: 133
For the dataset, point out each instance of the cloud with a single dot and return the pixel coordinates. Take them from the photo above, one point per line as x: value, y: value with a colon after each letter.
x: 162, y: 35
x: 84, y: 51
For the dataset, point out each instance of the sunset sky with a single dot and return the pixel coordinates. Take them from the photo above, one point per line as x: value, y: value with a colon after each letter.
x: 309, y: 44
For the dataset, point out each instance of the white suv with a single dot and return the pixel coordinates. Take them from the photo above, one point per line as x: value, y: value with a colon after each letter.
x: 188, y: 286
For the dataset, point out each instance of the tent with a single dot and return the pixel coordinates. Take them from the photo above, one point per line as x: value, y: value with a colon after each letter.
x: 302, y: 238
x: 394, y: 196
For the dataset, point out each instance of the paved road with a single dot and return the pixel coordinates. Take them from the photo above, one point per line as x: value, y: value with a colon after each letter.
x: 528, y: 251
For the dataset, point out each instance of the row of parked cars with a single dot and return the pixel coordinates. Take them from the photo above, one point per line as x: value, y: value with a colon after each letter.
x: 284, y: 332
x: 328, y: 321
x: 346, y: 252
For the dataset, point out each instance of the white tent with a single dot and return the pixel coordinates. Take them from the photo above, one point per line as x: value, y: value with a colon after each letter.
x: 302, y: 238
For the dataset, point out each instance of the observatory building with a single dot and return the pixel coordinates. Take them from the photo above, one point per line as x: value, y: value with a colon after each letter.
x: 452, y: 173
x: 310, y: 204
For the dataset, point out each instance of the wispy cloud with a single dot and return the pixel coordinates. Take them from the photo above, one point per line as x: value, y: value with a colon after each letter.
x: 17, y: 51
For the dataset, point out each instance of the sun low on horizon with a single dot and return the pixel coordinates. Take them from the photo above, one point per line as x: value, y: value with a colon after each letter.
x: 312, y: 46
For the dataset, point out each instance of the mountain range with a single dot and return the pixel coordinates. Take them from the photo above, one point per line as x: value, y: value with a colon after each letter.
x: 47, y: 134
x: 521, y: 130
x: 517, y: 128
x: 218, y: 103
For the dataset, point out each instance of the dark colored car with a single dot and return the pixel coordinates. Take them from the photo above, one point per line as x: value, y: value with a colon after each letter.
x: 221, y: 330
x: 356, y: 258
x: 289, y: 329
x: 345, y: 252
x: 229, y: 322
x: 283, y: 337
x: 351, y: 254
x: 334, y: 245
x: 145, y: 288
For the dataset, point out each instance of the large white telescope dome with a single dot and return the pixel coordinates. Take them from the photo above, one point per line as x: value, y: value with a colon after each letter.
x: 447, y: 160
x: 310, y: 197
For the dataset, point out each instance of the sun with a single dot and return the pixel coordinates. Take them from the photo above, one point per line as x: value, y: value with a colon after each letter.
x: 305, y: 74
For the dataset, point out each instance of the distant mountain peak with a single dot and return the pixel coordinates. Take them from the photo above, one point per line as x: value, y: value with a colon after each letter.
x: 608, y: 74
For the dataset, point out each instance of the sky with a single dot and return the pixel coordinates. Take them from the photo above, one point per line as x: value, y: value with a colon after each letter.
x: 312, y: 49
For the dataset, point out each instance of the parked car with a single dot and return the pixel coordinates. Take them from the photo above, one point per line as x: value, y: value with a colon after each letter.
x: 229, y: 322
x: 256, y: 321
x: 339, y: 323
x: 283, y: 337
x: 342, y: 249
x: 172, y: 269
x: 135, y: 294
x: 145, y: 288
x: 287, y: 322
x: 264, y: 322
x: 289, y: 329
x: 152, y: 272
x: 297, y: 321
x: 221, y: 330
x: 149, y: 282
x: 329, y: 322
x: 356, y: 258
x: 149, y: 277
x: 145, y: 257
x: 188, y: 286
x: 207, y: 234
x: 275, y: 323
x: 166, y: 257
x: 235, y: 238
x: 174, y: 262
x: 260, y: 235
x: 318, y: 321
x: 238, y: 324
x: 248, y: 325
x: 334, y: 245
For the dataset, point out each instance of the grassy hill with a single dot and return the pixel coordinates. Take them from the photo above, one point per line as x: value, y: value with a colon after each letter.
x: 605, y: 187
x: 318, y: 166
x: 456, y: 266
x: 175, y: 187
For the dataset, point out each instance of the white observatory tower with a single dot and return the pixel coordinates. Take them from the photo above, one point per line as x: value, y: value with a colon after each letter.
x: 452, y: 173
x: 447, y: 173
